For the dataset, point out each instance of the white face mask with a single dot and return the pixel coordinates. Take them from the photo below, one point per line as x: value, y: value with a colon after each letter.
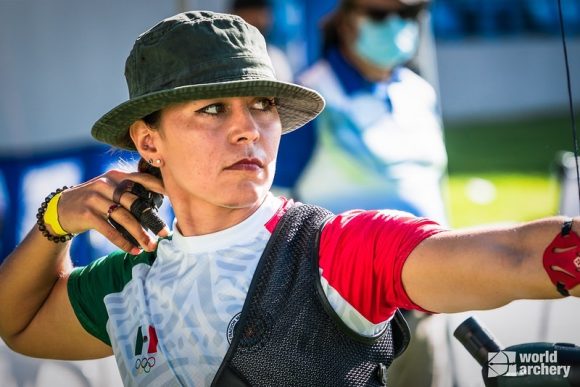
x: 387, y: 43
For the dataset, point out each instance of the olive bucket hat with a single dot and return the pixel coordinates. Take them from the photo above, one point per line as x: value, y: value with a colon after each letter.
x: 201, y: 55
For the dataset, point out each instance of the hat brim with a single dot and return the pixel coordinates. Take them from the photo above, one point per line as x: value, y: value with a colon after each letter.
x: 297, y: 105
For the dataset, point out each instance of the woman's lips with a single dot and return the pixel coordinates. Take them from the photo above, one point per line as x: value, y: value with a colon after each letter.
x: 252, y: 164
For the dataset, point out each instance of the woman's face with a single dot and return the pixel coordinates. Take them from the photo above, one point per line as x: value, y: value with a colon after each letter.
x: 218, y: 152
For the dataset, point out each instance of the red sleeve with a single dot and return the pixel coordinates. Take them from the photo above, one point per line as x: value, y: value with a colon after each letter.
x: 362, y: 254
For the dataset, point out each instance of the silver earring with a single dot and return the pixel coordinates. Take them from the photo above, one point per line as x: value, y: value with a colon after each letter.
x: 158, y: 161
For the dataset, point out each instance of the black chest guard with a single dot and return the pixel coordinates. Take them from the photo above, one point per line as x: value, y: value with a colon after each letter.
x: 288, y: 334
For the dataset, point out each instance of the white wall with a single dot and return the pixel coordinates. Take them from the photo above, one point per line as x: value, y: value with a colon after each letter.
x: 62, y: 63
x: 480, y: 78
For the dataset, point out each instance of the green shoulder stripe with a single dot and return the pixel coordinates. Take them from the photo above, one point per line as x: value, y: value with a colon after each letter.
x: 87, y: 287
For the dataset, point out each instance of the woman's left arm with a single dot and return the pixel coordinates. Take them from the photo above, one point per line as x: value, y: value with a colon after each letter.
x: 485, y: 268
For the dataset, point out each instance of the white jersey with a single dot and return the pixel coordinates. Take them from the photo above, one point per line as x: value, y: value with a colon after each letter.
x: 169, y: 316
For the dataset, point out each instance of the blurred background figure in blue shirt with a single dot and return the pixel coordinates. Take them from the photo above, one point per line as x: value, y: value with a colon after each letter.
x: 379, y: 143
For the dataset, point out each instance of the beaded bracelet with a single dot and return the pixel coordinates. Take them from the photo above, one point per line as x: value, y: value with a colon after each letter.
x: 41, y: 222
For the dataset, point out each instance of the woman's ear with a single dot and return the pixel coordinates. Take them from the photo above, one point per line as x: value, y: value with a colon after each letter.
x: 144, y: 139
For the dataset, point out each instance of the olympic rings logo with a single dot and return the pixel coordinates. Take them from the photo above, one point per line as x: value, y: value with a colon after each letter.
x: 144, y: 365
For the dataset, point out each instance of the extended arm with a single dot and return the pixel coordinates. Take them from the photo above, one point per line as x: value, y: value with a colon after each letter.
x: 483, y: 268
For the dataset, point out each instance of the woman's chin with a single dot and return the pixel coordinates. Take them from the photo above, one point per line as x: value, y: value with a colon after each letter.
x: 246, y: 199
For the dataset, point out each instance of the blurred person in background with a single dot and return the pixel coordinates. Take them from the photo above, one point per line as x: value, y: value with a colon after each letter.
x: 378, y: 144
x: 259, y: 14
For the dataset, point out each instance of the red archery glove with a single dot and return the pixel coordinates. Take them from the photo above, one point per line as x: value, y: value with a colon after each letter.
x: 561, y: 260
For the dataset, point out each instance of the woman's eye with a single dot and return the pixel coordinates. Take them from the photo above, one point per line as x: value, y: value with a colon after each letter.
x: 265, y: 104
x: 213, y: 109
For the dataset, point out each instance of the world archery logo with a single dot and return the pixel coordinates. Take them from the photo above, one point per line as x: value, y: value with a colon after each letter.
x: 145, y: 349
x: 501, y: 363
x: 512, y: 363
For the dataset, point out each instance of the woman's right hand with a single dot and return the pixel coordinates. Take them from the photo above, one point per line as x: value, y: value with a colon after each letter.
x: 86, y: 206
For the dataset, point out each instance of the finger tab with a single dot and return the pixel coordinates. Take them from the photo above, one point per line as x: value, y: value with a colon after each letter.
x: 152, y: 221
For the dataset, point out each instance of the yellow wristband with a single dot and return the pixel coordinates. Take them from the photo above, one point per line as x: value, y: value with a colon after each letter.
x: 51, y: 216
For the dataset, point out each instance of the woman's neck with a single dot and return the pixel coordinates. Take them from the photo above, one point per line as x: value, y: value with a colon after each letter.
x: 206, y: 218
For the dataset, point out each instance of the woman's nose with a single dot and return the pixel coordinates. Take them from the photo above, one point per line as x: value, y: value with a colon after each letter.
x: 245, y: 128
